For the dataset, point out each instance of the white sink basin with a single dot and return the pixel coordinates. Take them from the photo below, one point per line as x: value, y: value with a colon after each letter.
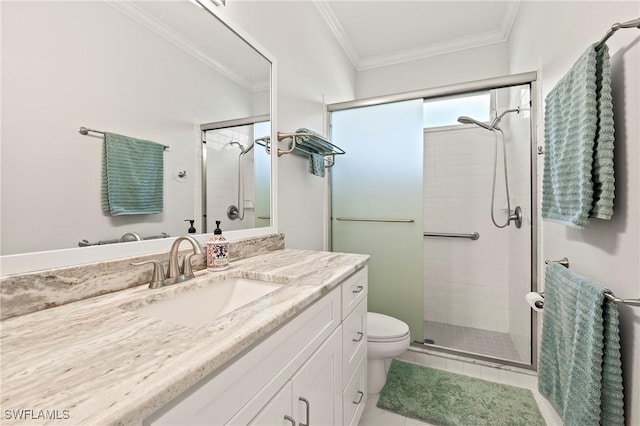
x: 197, y: 307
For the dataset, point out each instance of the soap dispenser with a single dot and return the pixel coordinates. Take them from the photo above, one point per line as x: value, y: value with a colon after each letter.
x: 217, y: 251
x: 192, y: 229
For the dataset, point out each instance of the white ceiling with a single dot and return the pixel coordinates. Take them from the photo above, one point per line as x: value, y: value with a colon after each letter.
x: 377, y: 33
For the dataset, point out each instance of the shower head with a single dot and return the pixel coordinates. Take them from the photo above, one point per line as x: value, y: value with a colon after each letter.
x: 243, y: 150
x: 494, y: 124
x: 468, y: 120
x: 238, y: 144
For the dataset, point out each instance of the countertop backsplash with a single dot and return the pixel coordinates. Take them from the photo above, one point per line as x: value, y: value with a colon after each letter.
x: 25, y: 293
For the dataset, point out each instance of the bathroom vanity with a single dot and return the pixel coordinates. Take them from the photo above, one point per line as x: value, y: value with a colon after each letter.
x: 294, y: 355
x: 312, y: 370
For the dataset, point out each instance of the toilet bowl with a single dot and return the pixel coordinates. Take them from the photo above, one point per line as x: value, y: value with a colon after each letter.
x: 387, y: 337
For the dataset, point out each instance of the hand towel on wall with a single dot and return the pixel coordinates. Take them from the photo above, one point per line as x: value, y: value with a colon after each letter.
x: 580, y: 370
x: 578, y: 180
x: 132, y: 175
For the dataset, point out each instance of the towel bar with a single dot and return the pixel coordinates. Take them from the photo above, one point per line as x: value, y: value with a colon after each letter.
x: 631, y: 302
x: 85, y: 131
x: 634, y: 23
x: 87, y: 243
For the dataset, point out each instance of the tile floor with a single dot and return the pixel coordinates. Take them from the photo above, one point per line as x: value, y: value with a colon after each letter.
x: 374, y: 416
x: 484, y: 342
x: 513, y: 376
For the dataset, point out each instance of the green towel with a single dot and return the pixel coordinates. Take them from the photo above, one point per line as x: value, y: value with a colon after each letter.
x: 580, y: 370
x: 314, y: 147
x: 132, y: 176
x: 578, y: 180
x: 603, y: 178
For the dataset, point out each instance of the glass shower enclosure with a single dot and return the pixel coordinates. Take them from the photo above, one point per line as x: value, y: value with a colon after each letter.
x: 417, y: 190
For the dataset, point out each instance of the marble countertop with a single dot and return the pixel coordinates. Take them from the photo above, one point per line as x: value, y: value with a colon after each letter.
x: 97, y: 361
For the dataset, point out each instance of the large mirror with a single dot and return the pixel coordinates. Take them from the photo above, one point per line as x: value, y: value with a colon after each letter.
x: 151, y: 70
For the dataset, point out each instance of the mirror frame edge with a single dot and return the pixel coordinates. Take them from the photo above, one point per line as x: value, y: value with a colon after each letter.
x: 42, y: 260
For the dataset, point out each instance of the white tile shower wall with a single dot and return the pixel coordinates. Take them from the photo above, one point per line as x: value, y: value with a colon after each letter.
x: 222, y: 177
x: 466, y: 281
x: 518, y: 143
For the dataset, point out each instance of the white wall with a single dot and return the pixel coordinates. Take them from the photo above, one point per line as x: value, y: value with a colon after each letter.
x: 550, y: 36
x: 455, y: 67
x: 311, y: 65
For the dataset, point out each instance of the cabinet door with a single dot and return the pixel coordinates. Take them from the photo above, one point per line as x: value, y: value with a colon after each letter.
x: 278, y: 411
x: 317, y: 386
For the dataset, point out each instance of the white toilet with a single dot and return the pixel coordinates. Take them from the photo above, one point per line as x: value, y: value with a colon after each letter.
x: 387, y: 337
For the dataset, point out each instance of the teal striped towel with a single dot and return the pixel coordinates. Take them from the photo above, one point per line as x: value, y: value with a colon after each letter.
x: 580, y: 371
x: 132, y: 175
x: 578, y: 180
x: 314, y: 147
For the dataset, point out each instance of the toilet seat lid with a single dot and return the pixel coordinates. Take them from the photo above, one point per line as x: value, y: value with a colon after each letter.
x: 381, y: 326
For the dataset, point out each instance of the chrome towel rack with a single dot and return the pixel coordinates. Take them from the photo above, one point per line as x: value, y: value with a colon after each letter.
x: 472, y: 235
x: 634, y: 23
x: 306, y: 142
x: 85, y: 131
x: 631, y: 302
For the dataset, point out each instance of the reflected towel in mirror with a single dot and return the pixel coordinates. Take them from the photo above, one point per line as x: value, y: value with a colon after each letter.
x: 132, y: 175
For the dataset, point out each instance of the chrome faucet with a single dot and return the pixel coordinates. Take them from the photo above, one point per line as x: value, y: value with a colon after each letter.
x: 175, y: 274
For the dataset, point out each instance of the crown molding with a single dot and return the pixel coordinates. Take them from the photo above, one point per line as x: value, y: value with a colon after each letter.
x: 510, y: 17
x: 422, y: 52
x: 451, y: 46
x: 129, y: 9
x: 338, y: 32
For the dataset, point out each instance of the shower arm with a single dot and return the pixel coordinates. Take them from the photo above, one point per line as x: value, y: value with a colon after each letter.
x: 496, y: 121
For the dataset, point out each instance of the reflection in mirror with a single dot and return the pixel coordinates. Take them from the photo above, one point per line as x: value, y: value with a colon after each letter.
x: 152, y: 70
x: 236, y: 174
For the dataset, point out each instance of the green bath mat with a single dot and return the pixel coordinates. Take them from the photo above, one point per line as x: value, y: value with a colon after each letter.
x: 445, y: 399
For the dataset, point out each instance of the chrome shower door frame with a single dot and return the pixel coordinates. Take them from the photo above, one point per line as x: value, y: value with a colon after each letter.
x: 528, y: 78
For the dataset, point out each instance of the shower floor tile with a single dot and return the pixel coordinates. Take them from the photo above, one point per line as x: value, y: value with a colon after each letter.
x: 484, y: 342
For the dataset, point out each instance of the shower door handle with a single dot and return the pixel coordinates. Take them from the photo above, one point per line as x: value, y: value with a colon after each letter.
x: 367, y: 219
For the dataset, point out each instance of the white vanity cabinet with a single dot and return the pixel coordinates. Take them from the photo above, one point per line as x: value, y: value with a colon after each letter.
x: 310, y: 371
x: 315, y: 391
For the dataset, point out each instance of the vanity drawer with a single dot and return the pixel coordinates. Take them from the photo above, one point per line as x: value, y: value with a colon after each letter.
x: 354, y: 397
x: 354, y: 290
x: 354, y: 340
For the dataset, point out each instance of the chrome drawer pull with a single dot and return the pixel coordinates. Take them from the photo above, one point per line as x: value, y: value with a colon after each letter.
x: 306, y: 402
x: 358, y: 289
x: 360, y: 396
x: 359, y: 338
x: 291, y: 419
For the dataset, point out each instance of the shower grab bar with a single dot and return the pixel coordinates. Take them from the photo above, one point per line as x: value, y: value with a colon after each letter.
x: 472, y: 236
x: 366, y: 219
x: 631, y: 302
